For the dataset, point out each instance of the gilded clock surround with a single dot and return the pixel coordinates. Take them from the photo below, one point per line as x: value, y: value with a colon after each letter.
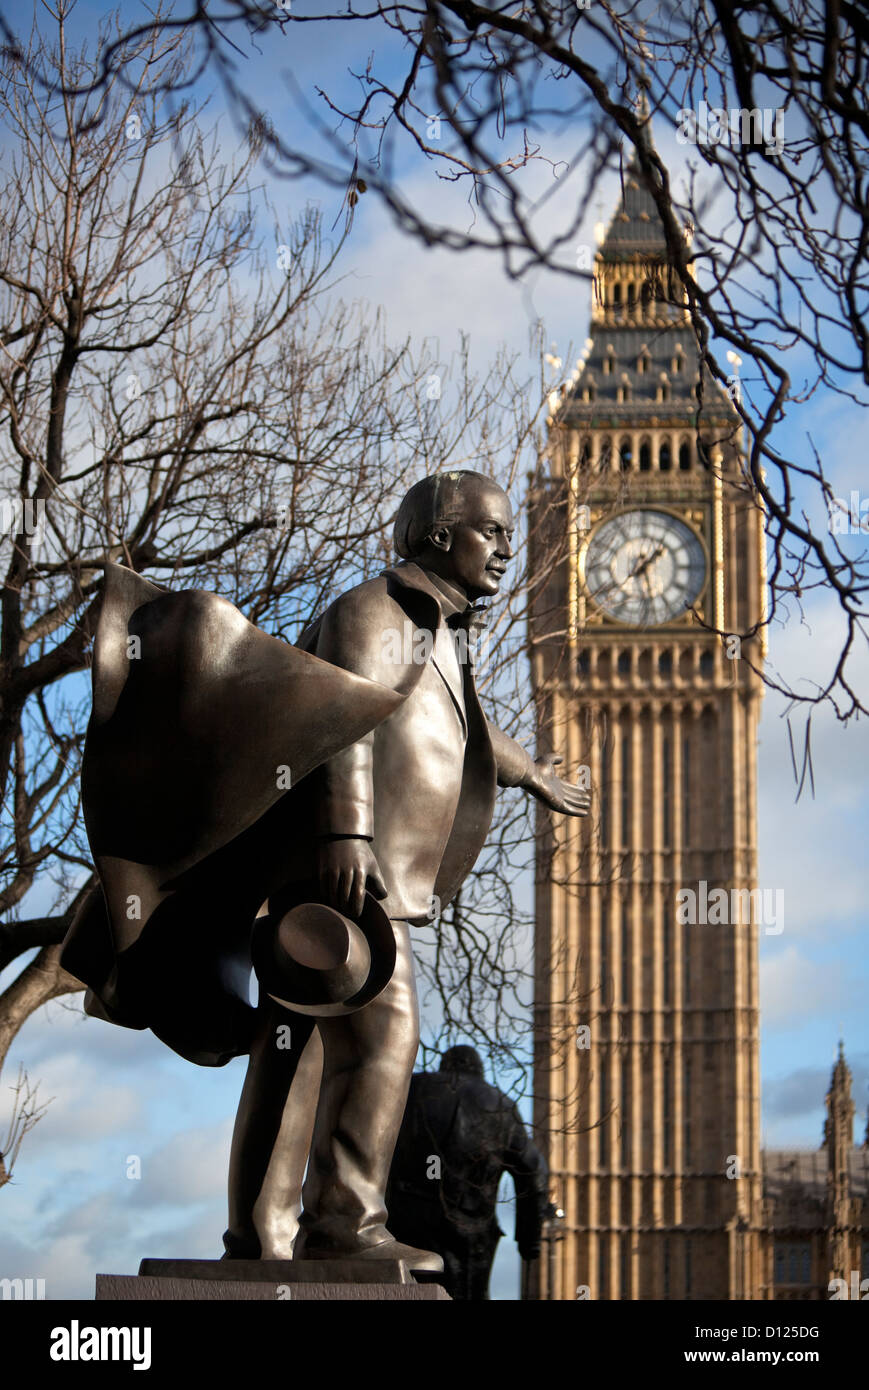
x: 699, y: 522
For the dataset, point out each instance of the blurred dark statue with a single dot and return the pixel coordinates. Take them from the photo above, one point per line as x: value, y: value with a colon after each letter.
x: 458, y: 1138
x: 298, y: 809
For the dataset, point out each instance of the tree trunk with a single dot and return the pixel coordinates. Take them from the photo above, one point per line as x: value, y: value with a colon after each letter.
x: 41, y: 980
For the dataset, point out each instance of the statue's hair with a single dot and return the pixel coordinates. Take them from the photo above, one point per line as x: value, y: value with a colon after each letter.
x: 463, y: 1059
x: 433, y: 501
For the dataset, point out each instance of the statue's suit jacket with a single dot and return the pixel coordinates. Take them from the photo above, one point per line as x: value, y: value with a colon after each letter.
x: 193, y: 737
x: 421, y: 784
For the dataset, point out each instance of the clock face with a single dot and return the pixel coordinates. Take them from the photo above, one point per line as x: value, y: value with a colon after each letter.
x: 644, y: 567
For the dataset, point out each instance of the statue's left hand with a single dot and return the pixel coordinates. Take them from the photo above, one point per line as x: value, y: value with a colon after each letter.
x: 554, y: 792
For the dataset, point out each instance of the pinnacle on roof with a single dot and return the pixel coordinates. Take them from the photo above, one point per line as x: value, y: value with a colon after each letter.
x: 636, y: 225
x: 841, y: 1070
x: 840, y: 1106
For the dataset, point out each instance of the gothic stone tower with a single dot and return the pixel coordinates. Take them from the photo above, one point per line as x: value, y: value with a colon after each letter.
x: 839, y: 1141
x: 818, y: 1200
x: 646, y: 1025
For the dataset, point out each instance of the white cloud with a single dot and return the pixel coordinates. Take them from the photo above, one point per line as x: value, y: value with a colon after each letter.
x: 801, y: 1092
x: 177, y: 1208
x: 82, y: 1107
x: 795, y: 988
x: 814, y: 848
x: 190, y: 1167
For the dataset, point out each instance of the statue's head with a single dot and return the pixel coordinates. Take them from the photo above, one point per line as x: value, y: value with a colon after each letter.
x: 459, y: 525
x: 465, y: 1060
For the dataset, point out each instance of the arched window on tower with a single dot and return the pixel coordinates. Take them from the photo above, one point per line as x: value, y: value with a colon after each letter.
x: 684, y: 456
x: 665, y: 461
x: 609, y: 361
x: 645, y: 455
x: 644, y: 362
x: 626, y: 453
x: 623, y: 393
x: 663, y: 388
x: 605, y: 455
x: 632, y: 295
x: 617, y: 297
x: 585, y: 452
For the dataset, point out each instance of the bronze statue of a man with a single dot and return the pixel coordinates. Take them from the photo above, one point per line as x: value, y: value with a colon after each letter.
x: 475, y: 1135
x: 231, y: 784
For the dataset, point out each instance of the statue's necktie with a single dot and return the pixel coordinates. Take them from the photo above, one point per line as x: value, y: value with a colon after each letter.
x: 467, y: 628
x: 471, y: 620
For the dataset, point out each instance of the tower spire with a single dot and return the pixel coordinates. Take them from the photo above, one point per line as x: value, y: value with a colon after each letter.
x: 643, y: 81
x: 838, y: 1141
x: 839, y: 1124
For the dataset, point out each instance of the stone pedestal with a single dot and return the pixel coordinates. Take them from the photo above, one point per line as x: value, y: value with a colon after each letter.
x: 270, y: 1281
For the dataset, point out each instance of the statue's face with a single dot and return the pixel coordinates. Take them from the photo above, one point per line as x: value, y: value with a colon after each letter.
x: 480, y: 541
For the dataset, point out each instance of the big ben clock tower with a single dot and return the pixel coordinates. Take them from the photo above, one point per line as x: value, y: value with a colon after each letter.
x: 646, y: 1024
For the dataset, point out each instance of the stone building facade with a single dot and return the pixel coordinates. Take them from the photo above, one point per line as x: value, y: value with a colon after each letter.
x: 817, y: 1207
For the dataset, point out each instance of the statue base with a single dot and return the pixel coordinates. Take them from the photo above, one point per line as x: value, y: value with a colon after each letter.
x: 270, y: 1281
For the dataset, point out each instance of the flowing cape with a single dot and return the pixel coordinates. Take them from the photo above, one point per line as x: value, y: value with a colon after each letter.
x: 195, y: 788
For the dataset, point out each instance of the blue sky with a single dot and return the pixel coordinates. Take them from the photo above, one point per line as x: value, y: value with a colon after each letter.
x: 72, y: 1210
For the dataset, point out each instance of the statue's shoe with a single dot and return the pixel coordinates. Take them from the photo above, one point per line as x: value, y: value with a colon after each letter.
x: 426, y: 1260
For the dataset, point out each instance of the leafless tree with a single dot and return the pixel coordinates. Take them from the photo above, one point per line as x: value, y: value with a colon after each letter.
x: 27, y: 1111
x: 182, y: 390
x: 770, y: 100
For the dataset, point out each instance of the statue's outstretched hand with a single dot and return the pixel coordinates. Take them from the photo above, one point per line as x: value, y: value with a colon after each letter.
x: 345, y: 866
x: 554, y: 792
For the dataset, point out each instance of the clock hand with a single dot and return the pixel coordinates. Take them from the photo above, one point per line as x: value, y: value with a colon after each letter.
x: 639, y: 569
x: 643, y: 564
